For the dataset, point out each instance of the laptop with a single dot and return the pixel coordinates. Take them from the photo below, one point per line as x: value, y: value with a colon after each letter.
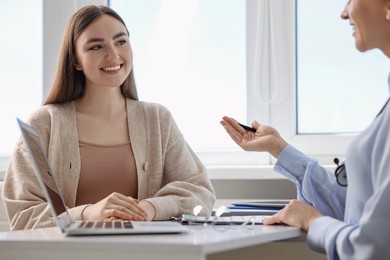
x: 59, y: 209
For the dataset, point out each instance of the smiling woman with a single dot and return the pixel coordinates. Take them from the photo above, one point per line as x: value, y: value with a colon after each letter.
x: 345, y: 213
x: 96, y: 133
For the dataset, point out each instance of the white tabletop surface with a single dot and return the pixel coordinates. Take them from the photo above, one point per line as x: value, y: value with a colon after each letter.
x: 197, y: 243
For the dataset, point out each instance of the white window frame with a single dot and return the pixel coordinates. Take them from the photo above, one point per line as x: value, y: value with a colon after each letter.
x: 280, y: 52
x: 270, y: 25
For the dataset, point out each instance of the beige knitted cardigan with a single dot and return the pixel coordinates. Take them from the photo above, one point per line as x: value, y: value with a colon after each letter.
x: 170, y: 175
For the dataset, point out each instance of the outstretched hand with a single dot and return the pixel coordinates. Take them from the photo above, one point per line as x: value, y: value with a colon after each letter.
x: 266, y: 138
x: 114, y: 207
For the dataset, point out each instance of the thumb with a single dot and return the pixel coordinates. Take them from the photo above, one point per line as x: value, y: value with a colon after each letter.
x: 271, y: 220
x: 255, y: 124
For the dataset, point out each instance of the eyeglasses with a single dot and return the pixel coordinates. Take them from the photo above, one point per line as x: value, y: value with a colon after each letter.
x: 341, y: 173
x: 219, y: 221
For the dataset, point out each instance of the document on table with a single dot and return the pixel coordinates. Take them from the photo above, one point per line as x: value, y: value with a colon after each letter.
x: 260, y: 207
x: 263, y: 203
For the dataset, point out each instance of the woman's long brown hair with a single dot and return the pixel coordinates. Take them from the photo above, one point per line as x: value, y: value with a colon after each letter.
x: 69, y: 83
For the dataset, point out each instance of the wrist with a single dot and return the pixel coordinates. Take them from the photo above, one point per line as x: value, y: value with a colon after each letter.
x: 313, y: 217
x: 277, y: 147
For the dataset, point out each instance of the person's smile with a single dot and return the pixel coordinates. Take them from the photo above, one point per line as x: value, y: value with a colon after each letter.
x: 112, y: 69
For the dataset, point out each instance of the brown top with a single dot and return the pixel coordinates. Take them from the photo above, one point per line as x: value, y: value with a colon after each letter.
x: 106, y: 169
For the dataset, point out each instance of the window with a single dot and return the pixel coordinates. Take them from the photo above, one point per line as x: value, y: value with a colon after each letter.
x: 300, y: 66
x: 338, y: 89
x: 21, y: 66
x: 190, y: 56
x: 205, y: 59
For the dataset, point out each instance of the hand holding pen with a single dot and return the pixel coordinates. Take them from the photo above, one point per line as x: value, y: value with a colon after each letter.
x: 248, y: 128
x: 261, y: 138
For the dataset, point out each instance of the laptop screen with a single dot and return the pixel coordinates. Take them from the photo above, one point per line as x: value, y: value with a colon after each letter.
x: 42, y: 168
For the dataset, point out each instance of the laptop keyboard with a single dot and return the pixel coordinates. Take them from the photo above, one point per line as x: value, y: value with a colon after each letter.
x: 106, y: 224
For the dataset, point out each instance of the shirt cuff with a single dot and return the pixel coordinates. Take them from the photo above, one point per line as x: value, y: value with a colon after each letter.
x: 292, y: 161
x: 322, y: 234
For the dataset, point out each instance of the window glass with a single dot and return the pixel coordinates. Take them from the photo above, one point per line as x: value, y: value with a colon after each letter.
x: 21, y: 66
x: 190, y: 57
x: 339, y: 89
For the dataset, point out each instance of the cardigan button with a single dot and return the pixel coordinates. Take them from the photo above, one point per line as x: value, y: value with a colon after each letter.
x: 146, y: 166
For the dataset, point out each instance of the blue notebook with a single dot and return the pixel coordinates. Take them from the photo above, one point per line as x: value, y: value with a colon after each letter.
x: 262, y: 204
x: 264, y: 207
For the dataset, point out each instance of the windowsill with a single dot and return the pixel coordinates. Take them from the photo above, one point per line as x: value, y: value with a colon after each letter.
x: 243, y: 165
x: 242, y: 172
x: 229, y: 173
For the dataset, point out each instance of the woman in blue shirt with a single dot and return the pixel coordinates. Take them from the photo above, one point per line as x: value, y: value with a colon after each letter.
x: 345, y: 222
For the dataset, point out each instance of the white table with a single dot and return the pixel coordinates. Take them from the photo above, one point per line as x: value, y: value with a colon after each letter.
x: 50, y: 243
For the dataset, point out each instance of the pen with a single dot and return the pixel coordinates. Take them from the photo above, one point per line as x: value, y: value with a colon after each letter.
x: 248, y: 128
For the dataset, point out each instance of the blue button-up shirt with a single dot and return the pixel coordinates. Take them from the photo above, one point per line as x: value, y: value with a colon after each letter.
x: 356, y: 221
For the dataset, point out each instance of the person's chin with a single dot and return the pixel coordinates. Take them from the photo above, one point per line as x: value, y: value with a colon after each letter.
x: 359, y: 44
x: 362, y: 48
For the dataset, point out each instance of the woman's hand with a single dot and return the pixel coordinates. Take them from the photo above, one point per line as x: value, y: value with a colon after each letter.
x: 114, y: 207
x: 297, y: 213
x: 266, y: 138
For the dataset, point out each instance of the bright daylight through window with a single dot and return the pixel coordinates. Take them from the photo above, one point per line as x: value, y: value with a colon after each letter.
x: 190, y: 57
x: 329, y: 68
x: 21, y: 67
x: 199, y: 58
